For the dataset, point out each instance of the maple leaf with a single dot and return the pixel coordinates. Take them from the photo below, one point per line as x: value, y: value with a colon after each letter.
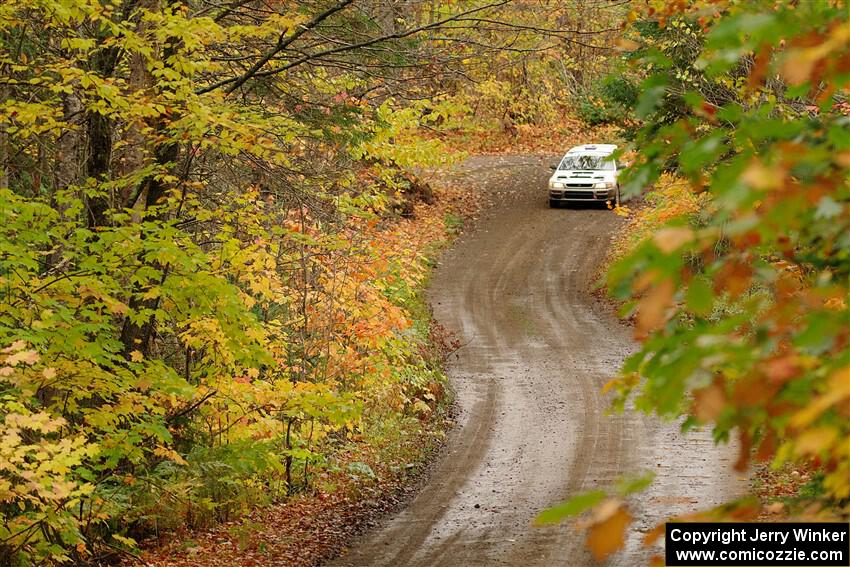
x: 15, y: 346
x: 28, y: 357
x: 838, y: 389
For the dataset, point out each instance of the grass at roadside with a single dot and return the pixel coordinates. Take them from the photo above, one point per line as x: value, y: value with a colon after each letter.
x: 371, y: 479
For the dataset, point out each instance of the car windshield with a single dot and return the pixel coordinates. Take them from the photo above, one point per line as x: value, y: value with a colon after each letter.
x: 597, y: 163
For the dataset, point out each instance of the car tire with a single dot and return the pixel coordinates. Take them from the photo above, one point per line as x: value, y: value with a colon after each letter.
x: 553, y: 204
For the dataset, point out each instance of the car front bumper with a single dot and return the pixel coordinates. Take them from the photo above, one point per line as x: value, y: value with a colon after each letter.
x: 570, y: 194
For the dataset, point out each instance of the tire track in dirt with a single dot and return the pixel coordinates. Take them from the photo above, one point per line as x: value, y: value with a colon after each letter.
x: 533, y: 428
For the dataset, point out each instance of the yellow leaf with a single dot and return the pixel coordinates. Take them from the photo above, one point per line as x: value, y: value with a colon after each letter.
x: 136, y: 356
x: 611, y: 384
x: 114, y: 306
x: 25, y: 356
x: 815, y: 440
x: 170, y: 454
x: 838, y: 389
x: 15, y: 346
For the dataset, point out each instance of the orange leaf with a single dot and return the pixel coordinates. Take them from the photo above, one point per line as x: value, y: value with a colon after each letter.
x: 624, y: 44
x: 670, y: 239
x: 746, y: 444
x: 767, y: 447
x: 652, y: 535
x: 652, y: 310
x: 607, y: 535
x: 759, y: 176
x: 798, y: 66
x: 781, y: 369
x: 709, y: 402
x: 734, y: 277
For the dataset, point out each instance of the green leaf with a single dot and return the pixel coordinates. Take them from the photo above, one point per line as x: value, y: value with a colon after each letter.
x: 630, y: 485
x: 572, y: 507
x: 653, y: 90
x: 698, y: 154
x: 359, y: 469
x: 699, y: 297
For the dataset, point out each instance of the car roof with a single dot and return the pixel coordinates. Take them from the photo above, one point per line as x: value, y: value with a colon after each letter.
x: 593, y: 149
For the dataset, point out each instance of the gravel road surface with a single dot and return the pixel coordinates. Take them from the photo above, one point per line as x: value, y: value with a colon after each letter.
x: 533, y: 428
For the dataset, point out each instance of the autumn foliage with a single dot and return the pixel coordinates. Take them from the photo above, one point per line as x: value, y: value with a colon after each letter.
x: 735, y: 268
x: 204, y: 296
x: 212, y: 242
x: 742, y: 306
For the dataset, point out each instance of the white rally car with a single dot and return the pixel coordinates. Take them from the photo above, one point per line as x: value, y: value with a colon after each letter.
x: 586, y: 173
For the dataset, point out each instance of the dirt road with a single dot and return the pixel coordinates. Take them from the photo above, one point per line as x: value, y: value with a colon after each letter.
x: 533, y: 428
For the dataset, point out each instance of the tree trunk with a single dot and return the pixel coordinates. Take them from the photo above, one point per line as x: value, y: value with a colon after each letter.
x: 138, y: 336
x: 99, y: 144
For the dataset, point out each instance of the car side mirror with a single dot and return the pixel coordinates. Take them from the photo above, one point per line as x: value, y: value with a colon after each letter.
x: 553, y: 167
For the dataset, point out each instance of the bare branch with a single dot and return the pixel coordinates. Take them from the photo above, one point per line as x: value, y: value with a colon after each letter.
x: 283, y: 43
x: 255, y: 72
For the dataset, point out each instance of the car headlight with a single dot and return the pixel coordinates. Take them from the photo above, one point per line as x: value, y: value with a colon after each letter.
x: 556, y: 185
x: 604, y: 185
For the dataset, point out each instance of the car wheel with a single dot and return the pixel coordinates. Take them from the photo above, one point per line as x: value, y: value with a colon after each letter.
x: 553, y: 204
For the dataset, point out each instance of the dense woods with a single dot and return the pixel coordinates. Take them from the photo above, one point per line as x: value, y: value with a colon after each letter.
x: 213, y: 238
